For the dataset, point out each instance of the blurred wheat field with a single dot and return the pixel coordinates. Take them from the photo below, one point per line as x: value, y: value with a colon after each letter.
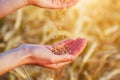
x: 96, y: 20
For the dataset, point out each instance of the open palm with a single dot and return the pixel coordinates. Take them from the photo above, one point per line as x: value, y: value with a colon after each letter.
x: 43, y: 55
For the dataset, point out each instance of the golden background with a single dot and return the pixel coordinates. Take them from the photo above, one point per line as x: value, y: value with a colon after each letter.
x: 98, y: 21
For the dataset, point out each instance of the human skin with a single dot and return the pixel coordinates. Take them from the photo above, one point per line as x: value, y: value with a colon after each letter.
x: 9, y: 6
x: 41, y: 55
x: 38, y: 54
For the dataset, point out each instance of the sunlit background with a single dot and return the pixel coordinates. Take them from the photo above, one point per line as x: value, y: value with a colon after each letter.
x: 98, y: 21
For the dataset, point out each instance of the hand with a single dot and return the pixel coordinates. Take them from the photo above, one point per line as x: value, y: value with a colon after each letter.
x: 9, y: 6
x: 53, y: 3
x: 43, y: 56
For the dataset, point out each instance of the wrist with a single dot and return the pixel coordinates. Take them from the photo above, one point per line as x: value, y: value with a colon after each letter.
x: 12, y: 59
x: 27, y: 54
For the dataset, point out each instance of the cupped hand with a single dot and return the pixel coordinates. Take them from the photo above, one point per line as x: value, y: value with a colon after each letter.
x: 53, y: 3
x: 74, y: 48
x: 9, y: 6
x: 42, y: 55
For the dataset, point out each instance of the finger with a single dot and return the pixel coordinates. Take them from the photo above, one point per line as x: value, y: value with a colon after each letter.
x: 69, y: 45
x: 57, y: 65
x: 76, y: 43
x: 79, y: 48
x: 73, y: 44
x: 55, y: 4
